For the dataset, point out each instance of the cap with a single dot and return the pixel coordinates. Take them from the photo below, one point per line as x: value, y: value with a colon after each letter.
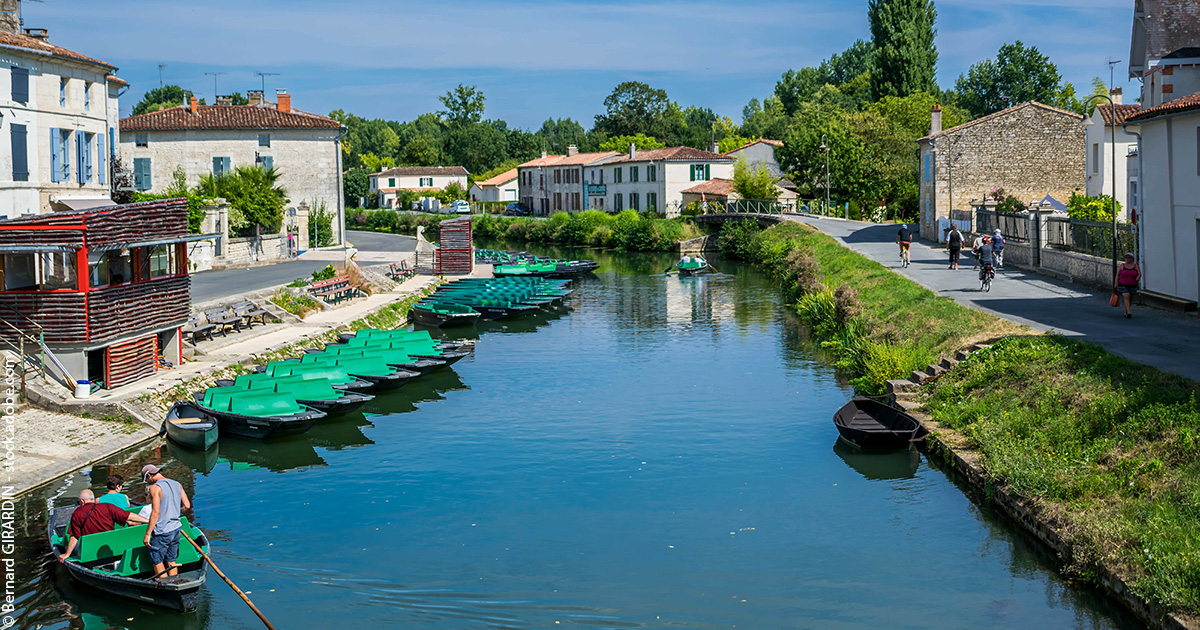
x: 987, y: 239
x: 997, y: 231
x: 150, y: 469
x: 1129, y: 255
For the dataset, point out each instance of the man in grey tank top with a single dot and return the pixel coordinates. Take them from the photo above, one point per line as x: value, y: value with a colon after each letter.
x: 167, y: 500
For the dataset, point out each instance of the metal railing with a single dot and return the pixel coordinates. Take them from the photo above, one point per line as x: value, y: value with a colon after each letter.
x: 1014, y: 226
x: 1094, y: 238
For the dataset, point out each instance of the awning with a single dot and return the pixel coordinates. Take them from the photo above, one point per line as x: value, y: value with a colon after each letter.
x: 162, y: 241
x: 34, y: 249
x: 82, y: 202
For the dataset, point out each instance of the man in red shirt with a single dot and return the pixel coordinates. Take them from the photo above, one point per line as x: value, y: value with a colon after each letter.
x: 92, y: 518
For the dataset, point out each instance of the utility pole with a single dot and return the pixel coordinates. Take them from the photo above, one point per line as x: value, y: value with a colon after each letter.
x: 264, y: 76
x: 214, y: 75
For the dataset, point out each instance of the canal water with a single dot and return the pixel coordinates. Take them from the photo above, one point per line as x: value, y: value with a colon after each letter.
x: 660, y: 455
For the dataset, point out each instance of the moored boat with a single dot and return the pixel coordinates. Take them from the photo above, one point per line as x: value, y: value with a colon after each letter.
x: 869, y: 424
x: 440, y: 314
x: 257, y: 415
x: 118, y: 563
x: 188, y: 425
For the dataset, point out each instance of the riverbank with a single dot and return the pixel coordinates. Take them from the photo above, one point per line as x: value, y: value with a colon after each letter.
x: 1105, y: 448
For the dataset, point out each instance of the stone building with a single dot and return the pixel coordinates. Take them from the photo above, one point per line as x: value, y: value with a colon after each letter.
x: 418, y: 179
x: 558, y: 183
x: 654, y: 180
x: 215, y: 139
x: 1030, y: 150
x: 58, y: 119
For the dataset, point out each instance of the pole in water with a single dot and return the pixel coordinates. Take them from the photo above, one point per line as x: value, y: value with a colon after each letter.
x: 229, y: 581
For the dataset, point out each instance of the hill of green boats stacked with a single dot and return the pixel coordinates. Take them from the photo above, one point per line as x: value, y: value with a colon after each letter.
x: 523, y: 265
x: 464, y: 301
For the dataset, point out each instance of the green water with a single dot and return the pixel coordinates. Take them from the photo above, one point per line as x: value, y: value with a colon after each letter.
x: 660, y: 455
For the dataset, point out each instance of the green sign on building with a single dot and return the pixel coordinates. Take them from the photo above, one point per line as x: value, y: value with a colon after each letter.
x: 597, y: 190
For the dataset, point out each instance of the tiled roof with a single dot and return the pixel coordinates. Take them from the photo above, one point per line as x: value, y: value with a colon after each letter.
x: 1124, y: 111
x: 1177, y: 106
x: 112, y: 78
x: 774, y: 143
x: 542, y: 161
x: 675, y: 154
x: 424, y: 171
x: 584, y: 158
x: 1003, y: 112
x: 32, y: 43
x: 502, y: 178
x: 715, y: 186
x: 226, y: 117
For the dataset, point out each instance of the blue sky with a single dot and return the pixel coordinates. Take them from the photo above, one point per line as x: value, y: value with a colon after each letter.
x: 537, y: 59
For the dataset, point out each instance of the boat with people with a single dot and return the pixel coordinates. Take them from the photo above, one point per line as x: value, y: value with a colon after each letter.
x: 257, y: 414
x: 118, y: 563
x: 872, y: 425
x: 188, y: 425
x: 693, y: 266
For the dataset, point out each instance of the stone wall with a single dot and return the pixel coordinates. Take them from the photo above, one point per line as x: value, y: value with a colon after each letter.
x: 247, y: 250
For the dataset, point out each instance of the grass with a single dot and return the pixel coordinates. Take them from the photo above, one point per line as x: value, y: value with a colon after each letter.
x: 296, y: 304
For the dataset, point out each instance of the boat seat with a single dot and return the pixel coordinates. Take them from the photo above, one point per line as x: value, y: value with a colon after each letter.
x: 264, y: 404
x: 862, y: 420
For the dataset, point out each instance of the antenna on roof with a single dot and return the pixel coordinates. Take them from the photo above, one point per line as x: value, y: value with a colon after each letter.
x: 264, y: 76
x: 160, y: 80
x: 214, y: 76
x: 1111, y: 65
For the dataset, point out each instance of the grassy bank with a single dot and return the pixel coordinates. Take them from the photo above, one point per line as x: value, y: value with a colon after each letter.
x: 628, y: 231
x: 1106, y: 447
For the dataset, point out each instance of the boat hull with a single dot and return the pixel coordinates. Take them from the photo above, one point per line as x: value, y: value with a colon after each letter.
x: 427, y: 317
x: 343, y: 406
x: 263, y: 428
x: 200, y: 436
x: 872, y: 425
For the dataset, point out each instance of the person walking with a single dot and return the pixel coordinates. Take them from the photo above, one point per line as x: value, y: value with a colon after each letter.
x: 954, y: 243
x: 167, y: 500
x: 998, y: 248
x: 1126, y: 283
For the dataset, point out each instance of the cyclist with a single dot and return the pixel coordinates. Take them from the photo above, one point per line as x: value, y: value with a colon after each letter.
x: 986, y: 256
x: 904, y: 238
x: 975, y: 250
x: 998, y: 248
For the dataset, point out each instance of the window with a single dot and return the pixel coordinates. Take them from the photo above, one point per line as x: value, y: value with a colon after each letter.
x: 557, y: 176
x: 221, y: 166
x: 83, y: 156
x: 700, y: 172
x: 633, y: 201
x: 1133, y: 195
x: 264, y: 139
x: 578, y: 205
x: 87, y: 96
x: 617, y: 205
x: 60, y: 152
x: 617, y: 175
x: 141, y: 173
x: 426, y: 182
x: 391, y: 182
x: 541, y: 180
x: 265, y: 162
x: 62, y: 92
x: 158, y: 261
x: 557, y: 198
x: 38, y: 272
x: 20, y: 85
x: 110, y: 267
x: 633, y: 173
x: 20, y: 152
x: 651, y: 202
x: 652, y: 173
x: 1095, y: 157
x: 101, y: 159
x: 141, y: 140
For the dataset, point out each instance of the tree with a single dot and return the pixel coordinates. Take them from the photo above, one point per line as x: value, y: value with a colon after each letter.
x: 904, y: 55
x: 634, y: 107
x: 476, y: 147
x: 162, y: 98
x: 621, y: 144
x: 237, y: 99
x: 1017, y: 74
x: 422, y: 150
x: 464, y: 105
x: 254, y: 197
x: 560, y: 133
x: 753, y: 182
x: 356, y: 186
x: 765, y: 120
x: 911, y: 114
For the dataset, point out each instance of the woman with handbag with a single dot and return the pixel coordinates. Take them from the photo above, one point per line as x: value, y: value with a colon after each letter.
x: 1126, y: 283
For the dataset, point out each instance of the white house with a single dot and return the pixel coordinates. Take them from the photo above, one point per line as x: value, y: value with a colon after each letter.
x: 502, y: 187
x: 1100, y: 150
x: 654, y: 180
x: 418, y: 179
x: 216, y: 139
x: 58, y: 115
x: 556, y: 183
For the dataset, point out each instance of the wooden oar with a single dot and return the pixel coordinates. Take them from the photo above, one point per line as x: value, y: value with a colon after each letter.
x: 668, y: 269
x: 229, y: 581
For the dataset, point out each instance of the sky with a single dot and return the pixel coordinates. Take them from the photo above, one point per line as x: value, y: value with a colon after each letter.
x: 542, y: 58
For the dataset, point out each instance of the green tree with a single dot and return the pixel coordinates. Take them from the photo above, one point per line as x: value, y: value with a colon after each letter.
x: 765, y: 120
x: 477, y: 147
x: 254, y: 197
x: 911, y: 114
x: 464, y: 105
x: 753, y: 182
x: 558, y: 134
x: 849, y: 70
x: 422, y: 150
x: 634, y: 107
x: 904, y: 55
x: 162, y: 98
x: 320, y: 225
x: 621, y: 144
x: 1017, y: 74
x: 355, y: 186
x: 238, y: 99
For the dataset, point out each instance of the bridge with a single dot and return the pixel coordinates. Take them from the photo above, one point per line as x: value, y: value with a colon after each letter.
x: 719, y: 218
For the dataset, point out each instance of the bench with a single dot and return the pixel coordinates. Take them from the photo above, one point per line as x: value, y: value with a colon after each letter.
x: 197, y: 330
x: 400, y: 271
x: 334, y: 290
x: 122, y: 549
x: 249, y: 311
x: 223, y: 320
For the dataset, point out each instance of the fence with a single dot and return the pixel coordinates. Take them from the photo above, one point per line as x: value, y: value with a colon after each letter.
x: 1014, y: 227
x: 1094, y: 238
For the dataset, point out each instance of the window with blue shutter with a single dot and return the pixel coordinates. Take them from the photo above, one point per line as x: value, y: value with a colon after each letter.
x: 141, y: 173
x: 80, y: 158
x: 20, y: 153
x: 55, y: 156
x: 268, y: 162
x: 101, y: 160
x: 20, y: 85
x: 86, y: 165
x: 62, y: 92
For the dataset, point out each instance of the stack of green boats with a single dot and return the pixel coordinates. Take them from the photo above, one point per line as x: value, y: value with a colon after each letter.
x: 491, y: 298
x: 523, y: 265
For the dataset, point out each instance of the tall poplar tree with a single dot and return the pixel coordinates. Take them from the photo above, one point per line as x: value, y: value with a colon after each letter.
x: 905, y: 56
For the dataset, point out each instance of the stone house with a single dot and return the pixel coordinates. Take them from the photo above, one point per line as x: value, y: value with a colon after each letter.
x: 502, y: 187
x: 557, y: 183
x: 1030, y: 150
x: 60, y: 109
x: 215, y: 139
x: 419, y: 179
x: 654, y: 180
x: 1100, y: 150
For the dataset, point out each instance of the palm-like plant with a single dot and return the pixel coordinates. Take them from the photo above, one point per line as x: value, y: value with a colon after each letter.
x: 254, y: 195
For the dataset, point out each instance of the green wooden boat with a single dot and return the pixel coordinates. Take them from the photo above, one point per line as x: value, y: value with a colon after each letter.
x: 440, y: 314
x: 188, y: 425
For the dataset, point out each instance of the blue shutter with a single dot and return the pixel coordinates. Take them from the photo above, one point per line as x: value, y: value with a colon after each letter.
x: 268, y: 162
x: 216, y: 167
x: 141, y: 173
x: 101, y: 159
x: 926, y: 167
x: 55, y: 155
x: 112, y: 143
x: 20, y: 85
x: 225, y: 167
x: 20, y: 153
x: 80, y: 152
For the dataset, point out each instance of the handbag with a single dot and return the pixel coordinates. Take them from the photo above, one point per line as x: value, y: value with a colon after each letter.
x: 1115, y: 300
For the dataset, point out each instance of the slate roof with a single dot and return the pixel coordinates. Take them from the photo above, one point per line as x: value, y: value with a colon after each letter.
x: 1003, y: 112
x: 674, y: 154
x: 715, y: 186
x: 1177, y: 106
x: 424, y: 171
x: 16, y: 40
x: 1124, y: 111
x: 1169, y: 26
x: 265, y: 116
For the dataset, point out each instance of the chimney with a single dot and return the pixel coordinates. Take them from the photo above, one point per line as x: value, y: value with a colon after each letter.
x: 284, y: 99
x: 543, y: 155
x: 224, y: 100
x: 10, y: 16
x: 935, y: 120
x: 38, y: 33
x: 1115, y: 95
x: 632, y: 151
x: 255, y: 97
x: 572, y: 150
x: 195, y: 105
x: 715, y: 147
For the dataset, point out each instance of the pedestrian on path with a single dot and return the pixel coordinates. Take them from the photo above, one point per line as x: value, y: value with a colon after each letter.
x: 167, y: 499
x: 954, y: 242
x: 998, y: 248
x: 1126, y: 283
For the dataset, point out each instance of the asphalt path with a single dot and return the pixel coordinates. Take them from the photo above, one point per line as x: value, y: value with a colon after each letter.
x: 217, y: 284
x: 1167, y: 341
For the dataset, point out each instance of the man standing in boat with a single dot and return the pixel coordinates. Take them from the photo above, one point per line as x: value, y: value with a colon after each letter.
x: 92, y: 517
x: 167, y: 500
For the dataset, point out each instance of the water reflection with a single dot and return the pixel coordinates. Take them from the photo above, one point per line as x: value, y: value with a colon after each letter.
x: 282, y: 455
x: 878, y: 466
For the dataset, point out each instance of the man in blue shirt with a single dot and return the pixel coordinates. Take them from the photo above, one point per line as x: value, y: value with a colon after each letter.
x: 998, y: 248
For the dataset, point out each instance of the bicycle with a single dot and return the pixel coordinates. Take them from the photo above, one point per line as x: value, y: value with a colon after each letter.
x: 903, y: 256
x: 986, y: 275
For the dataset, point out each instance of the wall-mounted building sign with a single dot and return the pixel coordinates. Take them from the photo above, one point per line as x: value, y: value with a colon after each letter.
x: 597, y: 190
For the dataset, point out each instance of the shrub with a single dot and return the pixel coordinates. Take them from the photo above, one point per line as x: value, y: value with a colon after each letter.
x: 325, y: 273
x: 737, y: 238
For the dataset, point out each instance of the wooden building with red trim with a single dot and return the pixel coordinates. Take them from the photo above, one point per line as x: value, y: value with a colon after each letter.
x: 106, y: 288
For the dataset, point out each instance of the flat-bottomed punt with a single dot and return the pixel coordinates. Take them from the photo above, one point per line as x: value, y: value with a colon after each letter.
x: 872, y: 425
x: 188, y: 425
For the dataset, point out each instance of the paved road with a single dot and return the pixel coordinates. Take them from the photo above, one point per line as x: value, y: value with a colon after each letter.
x: 1164, y: 340
x: 214, y: 285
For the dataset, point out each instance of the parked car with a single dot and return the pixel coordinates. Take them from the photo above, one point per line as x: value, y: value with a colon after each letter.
x: 516, y: 209
x: 459, y: 207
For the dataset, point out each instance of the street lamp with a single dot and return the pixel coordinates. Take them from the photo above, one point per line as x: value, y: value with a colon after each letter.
x: 825, y: 148
x: 1087, y: 122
